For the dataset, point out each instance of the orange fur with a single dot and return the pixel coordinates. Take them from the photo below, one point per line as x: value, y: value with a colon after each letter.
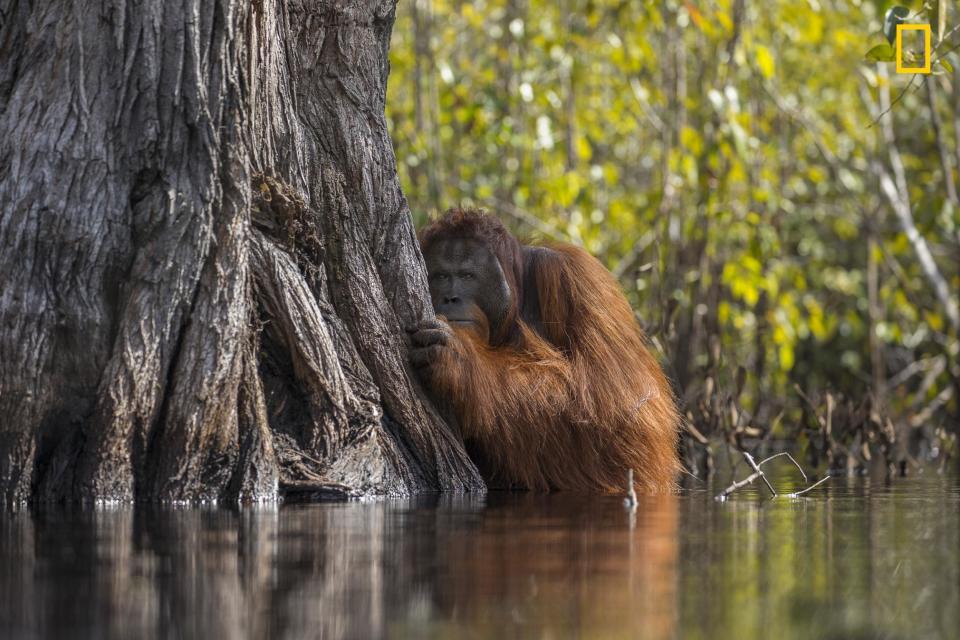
x: 572, y: 409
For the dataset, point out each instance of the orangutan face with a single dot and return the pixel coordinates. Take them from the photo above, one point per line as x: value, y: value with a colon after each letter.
x: 466, y: 277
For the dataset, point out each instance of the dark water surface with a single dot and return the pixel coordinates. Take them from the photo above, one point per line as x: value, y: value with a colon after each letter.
x: 852, y: 560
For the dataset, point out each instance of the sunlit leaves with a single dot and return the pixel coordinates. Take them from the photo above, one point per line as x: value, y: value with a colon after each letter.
x: 749, y: 167
x: 765, y: 61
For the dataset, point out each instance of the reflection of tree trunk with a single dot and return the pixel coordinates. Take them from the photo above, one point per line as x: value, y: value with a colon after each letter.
x: 364, y: 570
x: 171, y: 181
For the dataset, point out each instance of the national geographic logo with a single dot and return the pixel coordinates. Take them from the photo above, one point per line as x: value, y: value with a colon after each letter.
x: 925, y: 30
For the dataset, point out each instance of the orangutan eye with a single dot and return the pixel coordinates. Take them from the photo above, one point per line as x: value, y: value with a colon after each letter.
x: 439, y: 276
x: 467, y: 276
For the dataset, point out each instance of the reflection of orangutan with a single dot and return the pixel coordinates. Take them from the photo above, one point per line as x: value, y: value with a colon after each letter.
x: 542, y: 362
x: 534, y: 566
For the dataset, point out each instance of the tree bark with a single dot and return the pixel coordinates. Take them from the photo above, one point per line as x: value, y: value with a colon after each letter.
x: 206, y: 259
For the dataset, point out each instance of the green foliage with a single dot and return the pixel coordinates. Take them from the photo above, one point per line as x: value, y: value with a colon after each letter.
x: 717, y: 155
x: 881, y: 53
x: 935, y: 15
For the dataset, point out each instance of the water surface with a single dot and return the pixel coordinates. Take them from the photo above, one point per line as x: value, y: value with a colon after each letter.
x: 853, y: 559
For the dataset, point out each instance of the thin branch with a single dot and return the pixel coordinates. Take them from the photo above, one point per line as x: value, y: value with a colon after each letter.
x: 937, y: 127
x: 695, y: 433
x: 947, y: 52
x: 895, y: 188
x: 928, y: 265
x: 756, y: 468
x: 912, y: 369
x: 737, y: 485
x: 633, y: 255
x: 943, y: 39
x: 810, y: 488
x: 784, y: 453
x: 759, y: 474
x: 896, y: 100
x: 918, y: 419
x: 530, y: 220
x: 809, y: 403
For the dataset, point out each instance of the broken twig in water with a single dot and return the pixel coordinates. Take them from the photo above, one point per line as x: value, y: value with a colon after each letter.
x: 789, y: 457
x: 737, y: 485
x: 756, y: 469
x: 811, y: 487
x: 758, y: 473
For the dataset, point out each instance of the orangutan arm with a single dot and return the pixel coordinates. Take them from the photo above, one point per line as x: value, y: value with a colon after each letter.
x: 488, y: 386
x: 496, y: 393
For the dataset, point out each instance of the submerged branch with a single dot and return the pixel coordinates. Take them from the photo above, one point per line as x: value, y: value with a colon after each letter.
x: 790, y: 457
x: 738, y: 485
x: 756, y: 468
x: 810, y: 488
x: 759, y: 474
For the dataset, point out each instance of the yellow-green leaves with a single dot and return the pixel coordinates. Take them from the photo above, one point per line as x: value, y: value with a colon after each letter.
x: 765, y: 61
x: 738, y: 182
x: 881, y: 53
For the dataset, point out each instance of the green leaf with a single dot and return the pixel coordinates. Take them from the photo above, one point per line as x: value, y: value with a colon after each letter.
x: 895, y: 15
x: 946, y: 65
x: 880, y: 53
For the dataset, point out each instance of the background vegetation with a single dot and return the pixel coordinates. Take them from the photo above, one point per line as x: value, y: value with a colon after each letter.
x: 792, y: 249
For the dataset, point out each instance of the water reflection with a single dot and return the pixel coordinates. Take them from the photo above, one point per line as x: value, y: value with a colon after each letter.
x: 852, y: 561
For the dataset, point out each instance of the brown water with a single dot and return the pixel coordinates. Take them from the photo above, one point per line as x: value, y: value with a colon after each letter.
x: 851, y: 560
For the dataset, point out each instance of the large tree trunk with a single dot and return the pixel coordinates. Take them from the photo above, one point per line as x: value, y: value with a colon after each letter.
x: 205, y: 256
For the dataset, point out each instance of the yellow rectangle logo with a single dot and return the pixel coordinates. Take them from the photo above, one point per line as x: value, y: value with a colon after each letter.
x: 925, y: 28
